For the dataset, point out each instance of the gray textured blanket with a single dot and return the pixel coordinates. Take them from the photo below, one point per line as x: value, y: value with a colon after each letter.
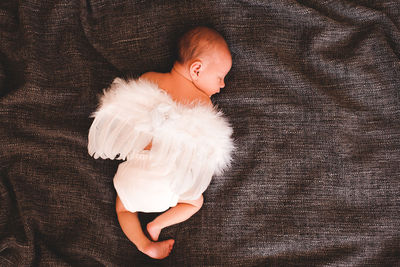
x: 313, y: 96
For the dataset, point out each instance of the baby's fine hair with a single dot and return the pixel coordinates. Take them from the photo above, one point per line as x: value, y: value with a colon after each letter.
x: 196, y: 42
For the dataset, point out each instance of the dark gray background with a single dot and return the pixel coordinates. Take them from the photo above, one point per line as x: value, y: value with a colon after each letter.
x: 313, y: 96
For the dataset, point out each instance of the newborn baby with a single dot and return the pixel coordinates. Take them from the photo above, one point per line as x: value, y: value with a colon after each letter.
x: 174, y: 140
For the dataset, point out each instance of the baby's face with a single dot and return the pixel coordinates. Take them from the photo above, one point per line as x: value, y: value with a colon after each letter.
x: 216, y: 67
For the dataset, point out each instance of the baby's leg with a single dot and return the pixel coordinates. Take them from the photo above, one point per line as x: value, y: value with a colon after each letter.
x: 130, y: 225
x: 174, y: 215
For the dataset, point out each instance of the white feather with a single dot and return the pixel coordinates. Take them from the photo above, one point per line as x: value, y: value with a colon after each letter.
x: 190, y: 143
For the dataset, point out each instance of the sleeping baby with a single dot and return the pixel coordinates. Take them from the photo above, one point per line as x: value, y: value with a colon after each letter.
x: 173, y: 139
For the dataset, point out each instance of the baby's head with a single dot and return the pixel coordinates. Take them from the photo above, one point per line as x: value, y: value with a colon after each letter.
x: 205, y: 57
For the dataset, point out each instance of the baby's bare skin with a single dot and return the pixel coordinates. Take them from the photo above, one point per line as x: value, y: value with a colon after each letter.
x: 189, y: 83
x: 179, y: 88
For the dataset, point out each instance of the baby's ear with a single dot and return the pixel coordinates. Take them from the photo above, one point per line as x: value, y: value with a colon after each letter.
x: 195, y: 69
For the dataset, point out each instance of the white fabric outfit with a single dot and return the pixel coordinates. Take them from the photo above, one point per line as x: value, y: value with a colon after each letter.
x: 190, y: 144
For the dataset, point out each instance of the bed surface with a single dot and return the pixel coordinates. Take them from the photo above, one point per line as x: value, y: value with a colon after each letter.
x: 313, y: 97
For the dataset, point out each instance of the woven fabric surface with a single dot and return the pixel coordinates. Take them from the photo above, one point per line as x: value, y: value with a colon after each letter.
x: 313, y: 97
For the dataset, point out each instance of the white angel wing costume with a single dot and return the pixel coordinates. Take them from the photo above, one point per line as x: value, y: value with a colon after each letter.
x: 190, y: 144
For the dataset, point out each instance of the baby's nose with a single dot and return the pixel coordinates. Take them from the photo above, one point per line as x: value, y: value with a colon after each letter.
x: 222, y: 85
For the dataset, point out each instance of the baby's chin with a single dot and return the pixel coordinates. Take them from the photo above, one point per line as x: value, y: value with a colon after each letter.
x: 216, y: 90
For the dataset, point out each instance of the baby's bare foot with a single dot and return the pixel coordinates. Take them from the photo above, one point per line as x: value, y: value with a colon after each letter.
x: 154, y: 230
x: 158, y: 250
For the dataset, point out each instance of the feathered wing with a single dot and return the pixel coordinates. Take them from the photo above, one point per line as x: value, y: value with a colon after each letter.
x: 123, y: 122
x: 210, y: 153
x: 190, y: 144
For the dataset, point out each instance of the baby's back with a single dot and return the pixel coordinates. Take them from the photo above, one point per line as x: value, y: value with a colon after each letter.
x: 181, y: 90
